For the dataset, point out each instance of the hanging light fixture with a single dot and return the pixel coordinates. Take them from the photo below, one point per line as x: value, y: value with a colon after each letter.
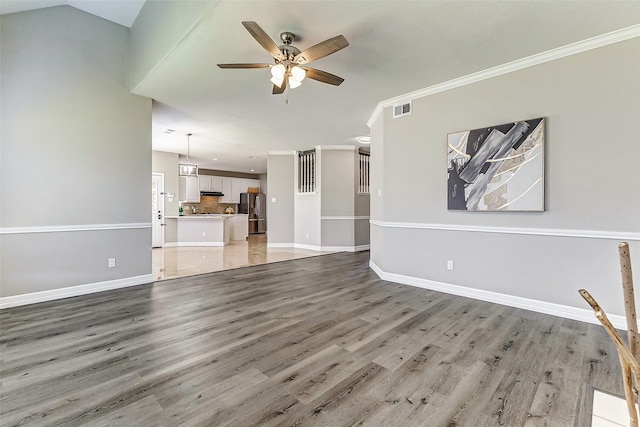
x: 189, y: 168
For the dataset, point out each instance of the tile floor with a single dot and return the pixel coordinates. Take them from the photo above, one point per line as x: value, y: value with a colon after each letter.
x: 170, y: 263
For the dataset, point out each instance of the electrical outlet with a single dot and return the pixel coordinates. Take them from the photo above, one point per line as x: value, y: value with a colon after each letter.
x: 307, y: 235
x: 111, y: 263
x: 450, y: 265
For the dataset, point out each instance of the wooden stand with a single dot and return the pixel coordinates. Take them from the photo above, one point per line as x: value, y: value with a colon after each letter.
x: 628, y: 355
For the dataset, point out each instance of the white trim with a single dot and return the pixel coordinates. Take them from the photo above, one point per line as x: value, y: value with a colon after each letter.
x: 556, y: 232
x: 336, y: 147
x: 69, y: 228
x: 358, y: 248
x: 282, y: 153
x: 310, y: 193
x: 530, y: 61
x: 161, y: 197
x: 279, y: 245
x: 319, y: 248
x: 568, y: 312
x: 351, y: 218
x: 73, y: 291
x: 193, y: 244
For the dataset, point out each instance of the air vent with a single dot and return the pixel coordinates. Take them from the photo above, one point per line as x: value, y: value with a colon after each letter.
x: 401, y: 110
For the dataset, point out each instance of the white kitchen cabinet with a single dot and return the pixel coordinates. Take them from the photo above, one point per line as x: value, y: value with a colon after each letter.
x: 227, y: 189
x: 205, y: 182
x: 239, y: 185
x: 216, y: 183
x: 189, y: 189
x: 239, y: 227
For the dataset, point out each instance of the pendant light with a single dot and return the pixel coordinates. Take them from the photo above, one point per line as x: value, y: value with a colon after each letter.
x: 189, y: 168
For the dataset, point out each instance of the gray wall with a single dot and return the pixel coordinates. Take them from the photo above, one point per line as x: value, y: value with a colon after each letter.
x: 280, y: 185
x: 340, y: 204
x: 75, y: 152
x: 591, y: 102
x: 337, y: 196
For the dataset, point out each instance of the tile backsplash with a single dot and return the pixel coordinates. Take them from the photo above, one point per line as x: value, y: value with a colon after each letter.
x: 209, y: 204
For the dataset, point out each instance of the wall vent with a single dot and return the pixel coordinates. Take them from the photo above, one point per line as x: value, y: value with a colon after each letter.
x: 401, y: 110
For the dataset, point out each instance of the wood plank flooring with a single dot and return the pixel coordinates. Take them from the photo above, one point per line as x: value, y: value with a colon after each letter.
x: 318, y: 341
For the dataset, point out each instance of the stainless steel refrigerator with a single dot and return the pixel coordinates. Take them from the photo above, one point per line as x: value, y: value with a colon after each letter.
x: 256, y: 206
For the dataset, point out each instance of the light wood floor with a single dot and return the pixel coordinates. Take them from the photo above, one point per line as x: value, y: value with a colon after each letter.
x: 318, y: 341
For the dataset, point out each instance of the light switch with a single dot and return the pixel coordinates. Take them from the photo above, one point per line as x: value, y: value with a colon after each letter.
x: 273, y: 200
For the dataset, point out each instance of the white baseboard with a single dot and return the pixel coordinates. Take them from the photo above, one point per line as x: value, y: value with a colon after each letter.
x: 345, y: 248
x: 319, y: 248
x: 193, y: 244
x: 73, y: 291
x: 568, y: 312
x: 279, y: 245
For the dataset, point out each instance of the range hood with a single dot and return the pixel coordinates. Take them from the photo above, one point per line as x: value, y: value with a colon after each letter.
x: 211, y: 193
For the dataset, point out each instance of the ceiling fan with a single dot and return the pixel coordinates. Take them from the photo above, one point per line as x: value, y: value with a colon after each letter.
x: 288, y: 68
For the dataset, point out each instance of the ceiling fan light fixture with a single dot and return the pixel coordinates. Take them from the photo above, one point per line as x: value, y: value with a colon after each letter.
x: 293, y: 83
x: 277, y: 71
x: 298, y: 73
x: 277, y: 81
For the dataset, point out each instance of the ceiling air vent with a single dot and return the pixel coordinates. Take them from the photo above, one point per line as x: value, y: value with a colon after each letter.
x: 401, y: 110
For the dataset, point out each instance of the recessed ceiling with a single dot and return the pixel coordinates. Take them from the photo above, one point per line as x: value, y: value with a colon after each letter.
x: 395, y: 47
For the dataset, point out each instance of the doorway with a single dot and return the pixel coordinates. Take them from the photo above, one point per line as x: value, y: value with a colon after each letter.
x: 157, y: 210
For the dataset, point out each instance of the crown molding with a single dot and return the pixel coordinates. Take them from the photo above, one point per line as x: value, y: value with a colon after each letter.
x: 519, y: 64
x: 336, y: 147
x: 282, y: 153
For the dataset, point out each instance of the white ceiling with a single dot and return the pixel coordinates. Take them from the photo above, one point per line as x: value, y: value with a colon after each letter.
x: 123, y: 12
x: 396, y: 47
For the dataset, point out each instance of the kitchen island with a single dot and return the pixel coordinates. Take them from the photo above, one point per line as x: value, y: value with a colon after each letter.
x: 197, y: 230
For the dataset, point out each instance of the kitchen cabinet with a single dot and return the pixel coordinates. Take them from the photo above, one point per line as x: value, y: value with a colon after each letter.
x: 239, y: 227
x: 216, y: 183
x: 232, y: 187
x: 205, y: 182
x: 210, y: 183
x: 227, y: 189
x: 189, y: 189
x: 239, y: 185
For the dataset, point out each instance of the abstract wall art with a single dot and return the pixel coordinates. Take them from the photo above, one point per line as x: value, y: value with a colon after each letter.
x: 498, y: 168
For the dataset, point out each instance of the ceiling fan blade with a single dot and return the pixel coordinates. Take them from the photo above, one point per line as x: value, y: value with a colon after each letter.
x: 321, y: 50
x: 323, y: 76
x: 245, y: 65
x: 263, y: 38
x: 277, y: 90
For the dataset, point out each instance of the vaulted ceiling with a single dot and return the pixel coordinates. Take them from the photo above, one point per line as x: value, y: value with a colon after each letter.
x: 395, y: 47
